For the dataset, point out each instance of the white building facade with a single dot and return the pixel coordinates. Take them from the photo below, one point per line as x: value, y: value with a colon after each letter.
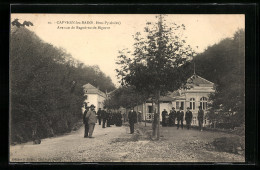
x: 196, y: 94
x: 94, y: 96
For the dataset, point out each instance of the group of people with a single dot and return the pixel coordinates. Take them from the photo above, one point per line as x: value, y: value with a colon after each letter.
x: 109, y: 118
x: 169, y: 119
x: 90, y: 117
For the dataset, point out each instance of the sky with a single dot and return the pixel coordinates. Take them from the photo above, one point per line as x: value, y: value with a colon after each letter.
x: 95, y: 39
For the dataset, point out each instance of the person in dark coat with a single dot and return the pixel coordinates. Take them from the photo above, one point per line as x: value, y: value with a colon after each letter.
x: 104, y: 118
x: 109, y: 118
x: 180, y: 115
x: 99, y: 116
x: 200, y: 118
x: 164, y: 114
x: 188, y: 117
x: 118, y: 119
x: 114, y: 118
x: 132, y: 118
x: 172, y: 117
x: 85, y: 121
x: 124, y: 116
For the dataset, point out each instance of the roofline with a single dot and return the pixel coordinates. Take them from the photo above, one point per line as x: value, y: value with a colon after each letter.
x: 111, y: 92
x: 92, y: 93
x: 201, y: 78
x: 95, y: 88
x: 87, y: 84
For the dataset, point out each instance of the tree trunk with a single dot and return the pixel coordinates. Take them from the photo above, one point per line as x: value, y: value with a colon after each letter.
x: 145, y: 114
x: 158, y: 116
x: 154, y: 120
x: 137, y: 112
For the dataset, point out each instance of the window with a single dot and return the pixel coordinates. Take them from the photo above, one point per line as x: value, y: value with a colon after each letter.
x: 203, y: 103
x: 192, y: 104
x: 177, y: 105
x: 182, y: 105
x: 150, y: 109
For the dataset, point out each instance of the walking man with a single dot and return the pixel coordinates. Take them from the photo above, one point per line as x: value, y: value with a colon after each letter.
x: 188, y: 118
x: 132, y: 118
x: 104, y: 118
x: 92, y: 119
x: 172, y: 117
x: 180, y: 115
x: 99, y: 116
x: 200, y: 118
x: 85, y: 121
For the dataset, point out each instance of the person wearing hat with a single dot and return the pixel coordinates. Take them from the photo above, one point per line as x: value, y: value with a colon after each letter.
x: 180, y: 115
x: 92, y: 119
x: 99, y: 113
x: 85, y: 121
x: 172, y: 117
x: 132, y: 118
x: 188, y: 117
x: 200, y: 118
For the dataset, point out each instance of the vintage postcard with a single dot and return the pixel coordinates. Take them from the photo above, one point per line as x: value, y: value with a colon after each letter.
x: 127, y: 87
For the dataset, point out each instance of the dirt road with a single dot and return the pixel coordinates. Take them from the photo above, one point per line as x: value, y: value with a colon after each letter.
x: 115, y: 144
x: 70, y: 147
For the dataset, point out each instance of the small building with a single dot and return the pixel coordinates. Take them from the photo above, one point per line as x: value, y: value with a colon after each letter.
x: 94, y: 96
x: 195, y: 94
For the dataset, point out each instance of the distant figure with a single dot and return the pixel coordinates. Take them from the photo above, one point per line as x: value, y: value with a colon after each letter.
x: 109, y: 118
x: 92, y: 119
x: 113, y: 118
x: 124, y: 116
x: 37, y: 141
x: 172, y: 117
x: 200, y: 118
x: 99, y: 116
x: 188, y: 118
x: 85, y: 121
x: 104, y: 118
x: 139, y: 116
x: 35, y: 137
x: 119, y: 118
x: 180, y: 115
x: 164, y: 115
x: 132, y: 118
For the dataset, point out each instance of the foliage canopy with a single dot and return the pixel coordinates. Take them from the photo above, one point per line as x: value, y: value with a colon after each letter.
x: 46, y: 86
